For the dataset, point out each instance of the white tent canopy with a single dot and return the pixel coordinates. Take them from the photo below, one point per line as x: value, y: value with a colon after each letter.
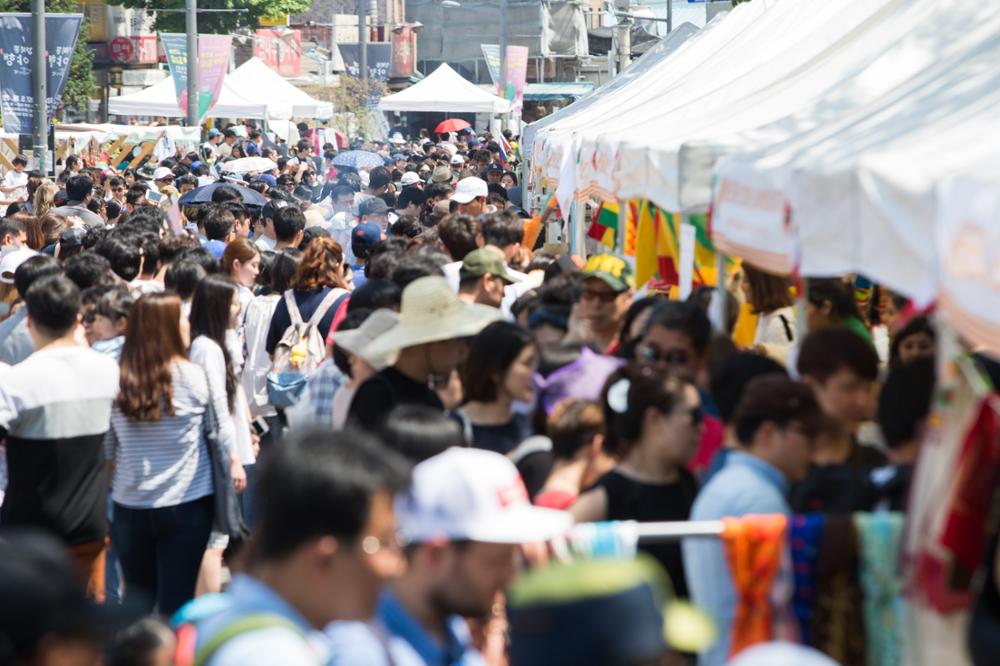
x: 444, y: 90
x: 160, y: 99
x: 255, y: 81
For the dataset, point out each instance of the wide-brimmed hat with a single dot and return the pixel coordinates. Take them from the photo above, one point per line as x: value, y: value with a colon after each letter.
x: 431, y: 312
x: 357, y: 341
x: 442, y: 174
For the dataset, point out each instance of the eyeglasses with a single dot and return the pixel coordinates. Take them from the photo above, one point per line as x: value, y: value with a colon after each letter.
x: 89, y: 317
x: 670, y: 357
x: 602, y: 296
x: 371, y: 545
x: 697, y: 415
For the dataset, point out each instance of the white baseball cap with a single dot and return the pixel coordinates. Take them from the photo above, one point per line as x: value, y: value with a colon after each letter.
x: 473, y: 495
x: 458, y: 159
x: 470, y: 188
x: 162, y: 172
x: 10, y: 262
x: 409, y: 178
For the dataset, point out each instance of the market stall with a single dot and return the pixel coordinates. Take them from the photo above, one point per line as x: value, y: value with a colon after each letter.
x: 445, y: 91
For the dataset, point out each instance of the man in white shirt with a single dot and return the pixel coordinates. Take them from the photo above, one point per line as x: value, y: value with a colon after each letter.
x: 15, y: 181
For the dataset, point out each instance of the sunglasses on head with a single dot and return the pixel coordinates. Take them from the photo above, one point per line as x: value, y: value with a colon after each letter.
x: 670, y: 357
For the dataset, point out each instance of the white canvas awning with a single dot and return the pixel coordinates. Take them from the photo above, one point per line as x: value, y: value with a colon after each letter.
x: 161, y: 100
x: 255, y: 81
x: 445, y: 91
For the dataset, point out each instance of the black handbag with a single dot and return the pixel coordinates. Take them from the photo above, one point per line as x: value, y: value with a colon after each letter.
x: 228, y: 518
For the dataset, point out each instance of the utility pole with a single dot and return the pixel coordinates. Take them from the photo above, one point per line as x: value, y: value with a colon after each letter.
x: 39, y: 68
x: 624, y: 42
x: 503, y: 48
x: 191, y: 24
x: 363, y: 43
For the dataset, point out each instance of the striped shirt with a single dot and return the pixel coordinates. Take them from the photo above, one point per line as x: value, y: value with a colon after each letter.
x: 54, y: 409
x: 165, y: 462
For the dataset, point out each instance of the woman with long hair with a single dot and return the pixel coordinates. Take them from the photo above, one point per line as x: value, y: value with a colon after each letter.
x: 215, y: 312
x: 41, y: 232
x: 653, y: 422
x: 162, y: 480
x: 318, y: 284
x: 770, y: 298
x: 241, y: 261
x: 502, y: 362
x: 44, y: 199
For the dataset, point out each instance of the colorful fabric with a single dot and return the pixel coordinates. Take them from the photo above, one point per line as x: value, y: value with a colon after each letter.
x: 753, y: 548
x: 838, y: 629
x: 604, y: 227
x: 806, y: 532
x: 656, y: 251
x: 880, y: 538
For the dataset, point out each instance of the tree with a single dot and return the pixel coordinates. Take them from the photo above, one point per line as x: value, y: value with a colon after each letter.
x: 351, y: 103
x: 80, y: 83
x: 217, y: 22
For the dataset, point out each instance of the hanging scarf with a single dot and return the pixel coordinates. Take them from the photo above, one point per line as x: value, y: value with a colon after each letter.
x: 753, y: 547
x: 880, y: 537
x: 806, y: 532
x: 838, y: 629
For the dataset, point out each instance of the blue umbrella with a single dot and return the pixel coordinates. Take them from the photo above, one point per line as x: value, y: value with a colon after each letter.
x: 203, y: 195
x: 358, y: 159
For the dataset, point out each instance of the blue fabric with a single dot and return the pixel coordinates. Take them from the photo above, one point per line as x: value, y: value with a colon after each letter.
x: 396, y: 633
x: 216, y: 247
x: 359, y: 275
x: 806, y: 532
x: 746, y: 485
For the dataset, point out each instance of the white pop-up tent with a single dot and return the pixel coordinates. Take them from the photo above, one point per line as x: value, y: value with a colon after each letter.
x: 445, y: 91
x: 160, y: 99
x: 255, y: 81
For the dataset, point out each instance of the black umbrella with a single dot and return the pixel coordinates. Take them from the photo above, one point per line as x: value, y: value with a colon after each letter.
x: 203, y: 195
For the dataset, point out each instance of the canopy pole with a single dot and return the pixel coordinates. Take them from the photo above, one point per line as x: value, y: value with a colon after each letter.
x: 577, y: 245
x: 720, y: 306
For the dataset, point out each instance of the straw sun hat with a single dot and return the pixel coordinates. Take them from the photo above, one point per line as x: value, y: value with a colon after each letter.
x: 431, y: 312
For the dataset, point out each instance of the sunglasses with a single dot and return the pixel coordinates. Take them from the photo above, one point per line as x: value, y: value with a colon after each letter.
x: 89, y: 317
x: 602, y: 296
x: 697, y: 415
x: 670, y: 357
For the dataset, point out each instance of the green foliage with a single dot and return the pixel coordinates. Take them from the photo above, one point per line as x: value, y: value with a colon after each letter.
x: 217, y: 22
x: 80, y: 84
x: 352, y: 111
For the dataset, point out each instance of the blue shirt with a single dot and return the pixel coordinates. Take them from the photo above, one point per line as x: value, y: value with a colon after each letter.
x: 395, y: 632
x: 359, y: 275
x: 746, y: 485
x: 296, y: 645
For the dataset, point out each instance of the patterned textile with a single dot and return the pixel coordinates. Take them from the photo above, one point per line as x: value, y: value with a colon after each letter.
x: 753, y: 546
x: 838, y: 628
x: 880, y: 537
x: 805, y: 537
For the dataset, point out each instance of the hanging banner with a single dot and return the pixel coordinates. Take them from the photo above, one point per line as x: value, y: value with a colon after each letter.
x: 17, y: 99
x: 379, y: 60
x: 517, y: 72
x: 213, y: 60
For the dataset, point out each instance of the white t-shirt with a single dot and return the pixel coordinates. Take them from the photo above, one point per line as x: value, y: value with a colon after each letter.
x: 15, y: 179
x: 207, y: 353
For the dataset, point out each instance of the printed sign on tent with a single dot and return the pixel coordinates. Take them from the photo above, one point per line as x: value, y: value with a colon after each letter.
x: 213, y: 60
x: 517, y: 72
x: 16, y: 94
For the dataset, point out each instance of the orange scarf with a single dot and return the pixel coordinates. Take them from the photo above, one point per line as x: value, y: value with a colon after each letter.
x: 753, y: 547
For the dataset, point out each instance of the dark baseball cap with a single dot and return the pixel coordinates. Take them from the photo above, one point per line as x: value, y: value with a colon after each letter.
x: 373, y: 206
x: 272, y: 207
x: 72, y: 237
x: 366, y: 234
x: 485, y: 260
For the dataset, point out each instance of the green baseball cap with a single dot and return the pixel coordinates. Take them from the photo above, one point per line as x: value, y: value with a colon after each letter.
x: 485, y: 260
x: 614, y: 271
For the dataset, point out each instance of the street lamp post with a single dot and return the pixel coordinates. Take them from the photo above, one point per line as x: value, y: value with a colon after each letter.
x: 39, y: 67
x: 363, y: 43
x: 191, y: 25
x: 503, y: 48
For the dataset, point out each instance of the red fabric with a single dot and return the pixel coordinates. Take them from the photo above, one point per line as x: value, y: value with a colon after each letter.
x: 711, y: 442
x: 338, y: 317
x: 555, y: 499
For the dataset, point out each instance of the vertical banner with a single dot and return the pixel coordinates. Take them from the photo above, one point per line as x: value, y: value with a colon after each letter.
x: 175, y: 48
x: 517, y: 72
x: 213, y: 60
x: 16, y: 92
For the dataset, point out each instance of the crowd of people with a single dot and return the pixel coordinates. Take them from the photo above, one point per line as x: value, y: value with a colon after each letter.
x: 431, y: 393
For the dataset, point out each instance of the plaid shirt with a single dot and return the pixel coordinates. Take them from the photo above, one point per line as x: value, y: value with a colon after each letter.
x: 318, y: 397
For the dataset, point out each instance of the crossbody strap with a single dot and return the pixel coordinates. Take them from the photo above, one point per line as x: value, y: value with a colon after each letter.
x: 241, y: 626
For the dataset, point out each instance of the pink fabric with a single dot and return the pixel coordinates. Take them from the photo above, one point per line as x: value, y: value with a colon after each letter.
x: 711, y: 442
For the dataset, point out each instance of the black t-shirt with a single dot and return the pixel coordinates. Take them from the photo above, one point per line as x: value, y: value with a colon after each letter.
x: 629, y: 499
x: 384, y: 390
x: 501, y: 438
x: 840, y: 489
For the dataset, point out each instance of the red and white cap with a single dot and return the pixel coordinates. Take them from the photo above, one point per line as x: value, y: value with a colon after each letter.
x: 473, y: 495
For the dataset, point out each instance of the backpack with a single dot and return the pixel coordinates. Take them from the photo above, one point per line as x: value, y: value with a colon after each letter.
x: 299, y: 352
